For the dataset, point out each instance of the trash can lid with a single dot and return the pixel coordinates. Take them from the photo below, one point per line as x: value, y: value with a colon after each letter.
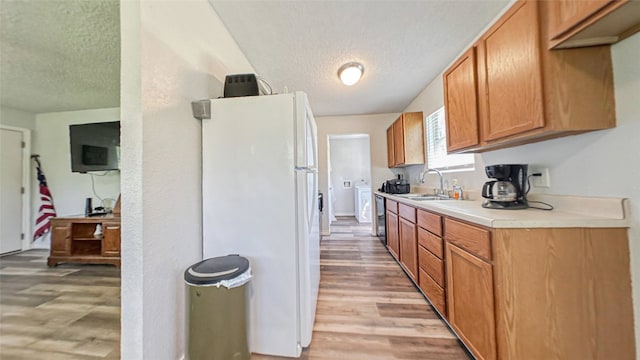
x: 213, y: 270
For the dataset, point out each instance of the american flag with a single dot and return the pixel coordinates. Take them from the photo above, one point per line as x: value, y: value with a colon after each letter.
x: 46, y: 210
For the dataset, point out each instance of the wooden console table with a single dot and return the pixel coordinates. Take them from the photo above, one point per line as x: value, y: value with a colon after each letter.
x: 73, y: 240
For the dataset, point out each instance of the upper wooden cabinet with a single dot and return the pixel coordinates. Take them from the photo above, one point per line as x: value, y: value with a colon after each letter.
x: 398, y: 142
x: 460, y: 95
x: 511, y: 74
x: 525, y: 92
x: 391, y: 158
x: 405, y: 140
x: 577, y: 23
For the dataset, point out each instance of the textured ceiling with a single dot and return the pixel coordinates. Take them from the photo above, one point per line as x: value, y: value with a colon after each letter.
x: 403, y: 46
x: 59, y: 55
x: 65, y: 54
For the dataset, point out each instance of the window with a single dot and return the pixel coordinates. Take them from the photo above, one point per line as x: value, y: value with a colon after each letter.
x: 437, y: 157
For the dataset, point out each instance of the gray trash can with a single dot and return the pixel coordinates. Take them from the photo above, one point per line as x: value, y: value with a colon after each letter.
x: 217, y: 308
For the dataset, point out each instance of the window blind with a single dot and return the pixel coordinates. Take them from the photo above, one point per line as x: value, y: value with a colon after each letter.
x: 437, y: 157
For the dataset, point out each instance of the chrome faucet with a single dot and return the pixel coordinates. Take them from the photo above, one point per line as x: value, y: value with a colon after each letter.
x: 441, y: 191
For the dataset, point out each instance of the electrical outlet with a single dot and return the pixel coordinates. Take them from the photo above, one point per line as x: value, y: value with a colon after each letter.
x: 541, y: 181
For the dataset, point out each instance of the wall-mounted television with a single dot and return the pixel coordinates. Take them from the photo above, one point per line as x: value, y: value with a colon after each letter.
x: 95, y: 146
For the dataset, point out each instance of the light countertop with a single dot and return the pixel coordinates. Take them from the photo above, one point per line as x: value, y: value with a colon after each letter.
x: 569, y: 211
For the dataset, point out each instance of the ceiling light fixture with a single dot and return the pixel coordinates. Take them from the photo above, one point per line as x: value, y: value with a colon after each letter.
x: 350, y: 73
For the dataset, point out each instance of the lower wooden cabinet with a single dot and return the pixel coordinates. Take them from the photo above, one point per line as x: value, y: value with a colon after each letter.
x: 85, y: 240
x: 393, y: 238
x: 433, y: 291
x: 470, y: 301
x: 60, y: 238
x: 409, y: 247
x: 111, y: 239
x: 432, y: 265
x: 563, y: 293
x: 522, y: 293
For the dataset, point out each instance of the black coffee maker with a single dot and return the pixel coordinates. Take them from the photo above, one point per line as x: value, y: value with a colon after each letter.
x: 509, y: 190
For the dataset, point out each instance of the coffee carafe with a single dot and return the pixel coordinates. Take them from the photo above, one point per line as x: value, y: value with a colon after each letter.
x: 508, y: 191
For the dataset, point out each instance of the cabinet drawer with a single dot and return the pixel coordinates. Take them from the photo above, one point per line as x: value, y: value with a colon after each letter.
x: 430, y: 221
x: 407, y: 212
x: 475, y: 240
x: 434, y: 292
x: 431, y: 242
x: 392, y: 206
x: 431, y: 265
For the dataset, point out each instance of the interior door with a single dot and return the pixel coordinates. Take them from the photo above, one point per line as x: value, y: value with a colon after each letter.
x: 11, y: 191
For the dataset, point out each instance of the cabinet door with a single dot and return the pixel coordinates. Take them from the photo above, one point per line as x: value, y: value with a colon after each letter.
x: 413, y: 127
x: 111, y: 239
x: 431, y: 265
x: 393, y: 241
x: 60, y: 239
x: 398, y: 141
x: 409, y: 247
x: 470, y: 300
x: 391, y: 160
x: 510, y: 74
x: 433, y: 291
x: 566, y: 14
x: 461, y: 102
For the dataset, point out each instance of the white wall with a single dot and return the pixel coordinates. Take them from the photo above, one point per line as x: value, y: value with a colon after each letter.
x: 350, y: 161
x: 373, y: 125
x: 602, y: 163
x: 428, y: 101
x: 17, y: 118
x: 173, y: 52
x: 50, y: 140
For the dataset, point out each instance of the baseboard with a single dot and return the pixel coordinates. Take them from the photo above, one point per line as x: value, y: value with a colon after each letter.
x: 344, y: 214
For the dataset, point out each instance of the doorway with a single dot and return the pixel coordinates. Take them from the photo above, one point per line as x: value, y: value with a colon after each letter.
x: 14, y: 189
x: 349, y: 181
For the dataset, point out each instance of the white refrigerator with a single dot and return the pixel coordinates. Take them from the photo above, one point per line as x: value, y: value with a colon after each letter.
x: 260, y: 186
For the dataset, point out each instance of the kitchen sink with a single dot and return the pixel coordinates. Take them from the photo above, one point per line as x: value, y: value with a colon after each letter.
x: 430, y: 197
x: 424, y: 197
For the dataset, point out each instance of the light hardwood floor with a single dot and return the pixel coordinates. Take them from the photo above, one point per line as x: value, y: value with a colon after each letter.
x: 69, y: 312
x: 367, y: 307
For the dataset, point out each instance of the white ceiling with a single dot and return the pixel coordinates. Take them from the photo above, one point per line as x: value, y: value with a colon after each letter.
x: 65, y: 55
x: 59, y: 55
x: 403, y: 46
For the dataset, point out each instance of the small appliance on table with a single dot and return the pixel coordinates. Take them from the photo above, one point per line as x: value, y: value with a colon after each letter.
x: 509, y: 190
x: 396, y: 186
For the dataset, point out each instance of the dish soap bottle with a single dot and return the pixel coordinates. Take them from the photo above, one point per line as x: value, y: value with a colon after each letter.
x: 457, y: 190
